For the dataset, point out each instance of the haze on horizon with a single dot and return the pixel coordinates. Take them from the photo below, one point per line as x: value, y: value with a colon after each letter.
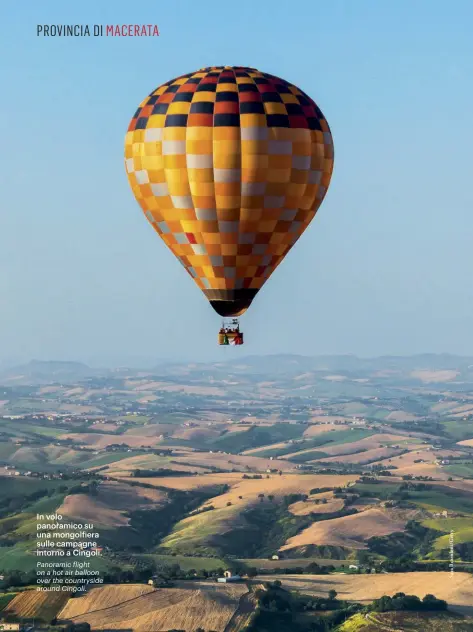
x: 385, y: 267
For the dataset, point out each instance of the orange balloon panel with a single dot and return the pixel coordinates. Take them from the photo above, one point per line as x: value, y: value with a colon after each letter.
x: 229, y: 165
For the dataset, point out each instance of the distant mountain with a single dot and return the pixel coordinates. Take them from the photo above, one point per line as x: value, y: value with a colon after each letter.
x: 39, y: 371
x: 276, y: 366
x: 293, y: 363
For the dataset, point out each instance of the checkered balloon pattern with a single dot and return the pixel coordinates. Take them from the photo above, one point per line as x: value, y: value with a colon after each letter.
x: 229, y: 165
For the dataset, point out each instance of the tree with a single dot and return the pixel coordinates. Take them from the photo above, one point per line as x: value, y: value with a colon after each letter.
x: 271, y: 497
x: 252, y: 572
x: 332, y: 595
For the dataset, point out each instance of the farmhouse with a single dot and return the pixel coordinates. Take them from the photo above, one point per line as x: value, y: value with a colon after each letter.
x: 228, y: 577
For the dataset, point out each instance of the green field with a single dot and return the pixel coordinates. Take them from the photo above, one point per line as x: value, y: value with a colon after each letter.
x: 458, y: 430
x: 437, y: 500
x: 265, y: 564
x: 354, y: 408
x: 6, y: 450
x: 459, y: 537
x: 376, y: 490
x: 21, y: 557
x: 5, y: 599
x: 17, y: 558
x: 462, y: 531
x: 303, y: 457
x: 380, y: 413
x: 333, y: 437
x: 460, y: 469
x: 197, y: 533
x: 14, y: 427
x: 107, y: 458
x: 134, y: 419
x: 445, y: 525
x: 398, y: 621
x: 256, y: 437
x: 22, y: 486
x: 188, y: 563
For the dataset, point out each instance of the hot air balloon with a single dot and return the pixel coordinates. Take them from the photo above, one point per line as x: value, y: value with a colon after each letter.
x: 229, y: 165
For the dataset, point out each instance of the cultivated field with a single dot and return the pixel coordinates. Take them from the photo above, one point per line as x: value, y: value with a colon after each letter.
x: 97, y: 599
x: 362, y: 457
x: 204, y: 529
x: 124, y: 466
x: 408, y: 621
x: 278, y: 486
x: 305, y: 507
x: 109, y: 508
x: 186, y: 607
x: 429, y: 377
x: 38, y: 604
x: 457, y: 590
x: 236, y: 462
x: 350, y: 531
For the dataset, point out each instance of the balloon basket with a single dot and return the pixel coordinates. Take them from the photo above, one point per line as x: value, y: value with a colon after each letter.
x: 230, y: 333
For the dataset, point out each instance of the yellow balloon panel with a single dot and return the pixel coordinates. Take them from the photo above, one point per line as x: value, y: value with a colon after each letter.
x: 229, y: 165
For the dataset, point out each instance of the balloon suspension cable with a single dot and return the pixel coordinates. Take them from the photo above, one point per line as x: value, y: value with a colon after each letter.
x: 230, y: 333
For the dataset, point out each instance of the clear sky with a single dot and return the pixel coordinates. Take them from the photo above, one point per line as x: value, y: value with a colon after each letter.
x: 385, y: 267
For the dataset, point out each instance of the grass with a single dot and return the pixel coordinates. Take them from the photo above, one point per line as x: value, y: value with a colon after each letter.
x: 381, y: 413
x: 460, y: 537
x: 134, y: 419
x: 12, y: 426
x: 377, y: 490
x: 465, y: 470
x: 448, y: 524
x: 265, y: 564
x: 20, y: 486
x: 392, y: 621
x: 16, y: 558
x: 6, y: 450
x: 434, y: 500
x: 107, y: 458
x: 462, y: 528
x: 5, y: 599
x: 196, y: 533
x: 19, y: 558
x: 311, y: 455
x: 354, y: 623
x: 188, y: 563
x: 458, y: 430
x: 265, y: 454
x: 333, y: 437
x: 257, y: 436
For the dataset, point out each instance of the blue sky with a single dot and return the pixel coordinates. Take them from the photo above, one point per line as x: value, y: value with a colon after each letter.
x: 386, y: 266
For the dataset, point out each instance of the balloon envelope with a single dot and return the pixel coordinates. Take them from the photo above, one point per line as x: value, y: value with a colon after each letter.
x: 229, y: 165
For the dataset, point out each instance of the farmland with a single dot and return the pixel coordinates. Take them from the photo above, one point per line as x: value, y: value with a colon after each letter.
x: 271, y: 463
x: 435, y: 622
x: 349, y: 531
x: 456, y: 590
x: 144, y: 610
x: 37, y: 604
